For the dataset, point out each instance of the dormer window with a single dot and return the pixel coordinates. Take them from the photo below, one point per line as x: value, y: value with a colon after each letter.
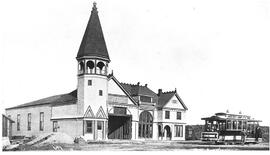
x: 145, y: 99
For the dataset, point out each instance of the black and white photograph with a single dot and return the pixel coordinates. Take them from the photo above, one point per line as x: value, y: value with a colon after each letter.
x: 135, y: 75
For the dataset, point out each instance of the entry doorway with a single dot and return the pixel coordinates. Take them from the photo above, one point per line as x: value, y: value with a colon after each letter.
x: 119, y: 126
x: 145, y: 125
x: 100, y: 130
x: 167, y: 133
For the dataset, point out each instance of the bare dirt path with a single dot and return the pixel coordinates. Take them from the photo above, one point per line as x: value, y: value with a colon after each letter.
x: 123, y: 145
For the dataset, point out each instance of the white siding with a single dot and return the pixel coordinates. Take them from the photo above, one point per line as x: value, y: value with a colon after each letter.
x: 35, y: 118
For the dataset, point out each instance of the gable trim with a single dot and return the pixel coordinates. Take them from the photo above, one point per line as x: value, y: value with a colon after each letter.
x: 120, y: 86
x: 89, y: 113
x: 168, y: 101
x: 101, y: 113
x: 179, y: 99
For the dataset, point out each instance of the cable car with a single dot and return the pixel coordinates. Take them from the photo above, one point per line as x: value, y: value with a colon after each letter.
x: 231, y: 129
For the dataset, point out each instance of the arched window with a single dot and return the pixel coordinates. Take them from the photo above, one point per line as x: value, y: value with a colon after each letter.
x: 145, y: 125
x: 81, y: 67
x: 90, y: 65
x: 100, y: 66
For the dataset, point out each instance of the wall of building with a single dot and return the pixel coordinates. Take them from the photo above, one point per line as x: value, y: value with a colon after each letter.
x: 173, y: 108
x: 173, y: 116
x: 35, y: 120
x: 89, y: 95
x: 72, y: 127
x: 64, y: 111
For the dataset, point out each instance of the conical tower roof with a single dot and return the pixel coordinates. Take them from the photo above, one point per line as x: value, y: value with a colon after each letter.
x: 93, y: 43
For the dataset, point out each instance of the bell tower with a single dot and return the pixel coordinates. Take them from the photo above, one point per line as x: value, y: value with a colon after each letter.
x: 93, y: 60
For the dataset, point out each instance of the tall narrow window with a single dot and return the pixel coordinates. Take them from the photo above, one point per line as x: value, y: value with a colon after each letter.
x: 55, y: 126
x: 100, y: 93
x: 89, y: 126
x: 167, y: 114
x: 178, y: 116
x: 41, y: 121
x: 29, y: 121
x: 18, y: 122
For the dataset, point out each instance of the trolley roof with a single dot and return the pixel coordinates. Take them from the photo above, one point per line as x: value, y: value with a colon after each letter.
x: 228, y: 116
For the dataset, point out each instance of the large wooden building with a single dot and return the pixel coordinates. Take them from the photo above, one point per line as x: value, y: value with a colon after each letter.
x: 102, y: 107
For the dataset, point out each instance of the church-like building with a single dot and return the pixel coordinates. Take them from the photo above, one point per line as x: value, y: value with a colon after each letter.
x: 102, y: 107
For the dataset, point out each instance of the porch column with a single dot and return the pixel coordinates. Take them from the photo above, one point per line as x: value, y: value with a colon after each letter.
x: 155, y: 131
x: 105, y: 132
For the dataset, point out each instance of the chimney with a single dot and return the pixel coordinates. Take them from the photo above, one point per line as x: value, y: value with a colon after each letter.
x: 145, y: 85
x: 138, y: 83
x: 159, y: 92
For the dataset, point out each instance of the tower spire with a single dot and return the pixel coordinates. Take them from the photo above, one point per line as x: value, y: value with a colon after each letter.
x: 93, y: 43
x: 94, y: 8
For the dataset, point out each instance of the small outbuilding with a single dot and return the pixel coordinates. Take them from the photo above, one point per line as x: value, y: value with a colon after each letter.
x: 6, y: 126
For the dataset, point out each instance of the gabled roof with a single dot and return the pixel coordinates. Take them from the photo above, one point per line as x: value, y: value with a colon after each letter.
x: 138, y: 90
x: 165, y: 97
x: 93, y: 42
x: 57, y: 100
x: 110, y: 76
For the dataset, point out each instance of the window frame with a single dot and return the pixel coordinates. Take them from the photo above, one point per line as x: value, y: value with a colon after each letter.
x: 178, y: 130
x: 99, y: 125
x: 100, y: 93
x: 146, y: 99
x: 18, y: 122
x: 174, y: 101
x: 179, y: 117
x: 89, y: 82
x: 167, y: 114
x: 29, y: 119
x: 41, y: 121
x: 89, y: 127
x: 55, y: 126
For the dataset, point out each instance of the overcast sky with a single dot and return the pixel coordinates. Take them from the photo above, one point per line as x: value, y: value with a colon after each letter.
x: 216, y: 53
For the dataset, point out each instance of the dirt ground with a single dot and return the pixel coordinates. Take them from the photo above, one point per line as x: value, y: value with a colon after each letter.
x: 124, y: 145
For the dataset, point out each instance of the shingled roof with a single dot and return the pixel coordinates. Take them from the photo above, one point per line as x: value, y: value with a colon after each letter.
x: 63, y: 99
x: 136, y: 90
x: 165, y: 97
x: 93, y: 42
